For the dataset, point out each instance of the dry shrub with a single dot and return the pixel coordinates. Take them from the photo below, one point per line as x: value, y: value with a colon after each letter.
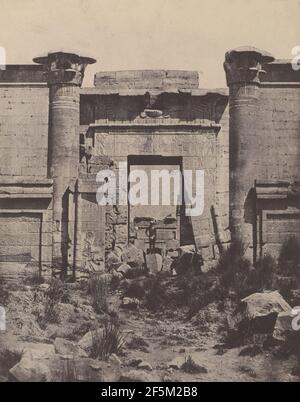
x: 54, y: 295
x: 98, y: 289
x: 238, y: 275
x: 200, y: 291
x: 107, y: 341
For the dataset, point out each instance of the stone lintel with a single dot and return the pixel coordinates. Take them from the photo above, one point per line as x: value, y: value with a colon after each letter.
x: 271, y: 190
x: 156, y: 123
x: 25, y: 188
x: 218, y: 92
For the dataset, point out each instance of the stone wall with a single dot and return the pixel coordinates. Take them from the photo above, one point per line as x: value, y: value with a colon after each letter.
x: 277, y: 151
x: 24, y: 130
x: 25, y: 192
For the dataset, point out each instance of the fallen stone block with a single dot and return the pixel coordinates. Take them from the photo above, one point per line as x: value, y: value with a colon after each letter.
x: 262, y: 309
x: 145, y: 366
x: 256, y: 313
x: 30, y: 370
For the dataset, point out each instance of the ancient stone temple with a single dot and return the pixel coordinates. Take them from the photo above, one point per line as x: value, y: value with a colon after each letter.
x: 56, y: 135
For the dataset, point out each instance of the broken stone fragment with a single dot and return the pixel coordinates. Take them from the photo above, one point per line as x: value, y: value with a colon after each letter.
x: 133, y: 256
x: 112, y: 261
x: 145, y: 366
x: 130, y: 303
x: 137, y: 376
x: 86, y: 342
x: 113, y: 358
x: 65, y: 347
x: 124, y: 269
x: 283, y: 327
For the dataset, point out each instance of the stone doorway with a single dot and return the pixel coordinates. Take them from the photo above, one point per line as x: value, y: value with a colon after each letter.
x: 164, y: 218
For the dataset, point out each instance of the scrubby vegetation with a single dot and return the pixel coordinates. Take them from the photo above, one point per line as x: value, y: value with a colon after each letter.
x: 98, y: 289
x: 107, y: 341
x: 164, y: 316
x: 53, y: 296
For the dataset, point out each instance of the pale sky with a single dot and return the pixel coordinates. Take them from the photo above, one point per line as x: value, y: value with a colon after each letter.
x: 149, y: 34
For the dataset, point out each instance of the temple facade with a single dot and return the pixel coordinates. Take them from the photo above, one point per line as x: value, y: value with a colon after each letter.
x: 56, y: 135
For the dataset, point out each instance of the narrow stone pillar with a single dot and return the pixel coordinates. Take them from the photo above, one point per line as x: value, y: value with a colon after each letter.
x: 65, y: 73
x: 243, y: 67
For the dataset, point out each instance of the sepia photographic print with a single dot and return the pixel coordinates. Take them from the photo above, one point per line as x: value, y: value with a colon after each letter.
x: 149, y: 193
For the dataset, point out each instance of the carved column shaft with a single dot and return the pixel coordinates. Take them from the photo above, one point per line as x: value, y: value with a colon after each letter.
x: 243, y: 69
x: 65, y: 72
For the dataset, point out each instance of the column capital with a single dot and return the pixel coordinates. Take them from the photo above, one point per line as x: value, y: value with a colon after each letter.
x: 64, y: 67
x: 244, y: 65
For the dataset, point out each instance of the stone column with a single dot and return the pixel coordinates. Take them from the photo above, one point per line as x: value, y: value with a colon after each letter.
x: 243, y: 67
x: 65, y: 73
